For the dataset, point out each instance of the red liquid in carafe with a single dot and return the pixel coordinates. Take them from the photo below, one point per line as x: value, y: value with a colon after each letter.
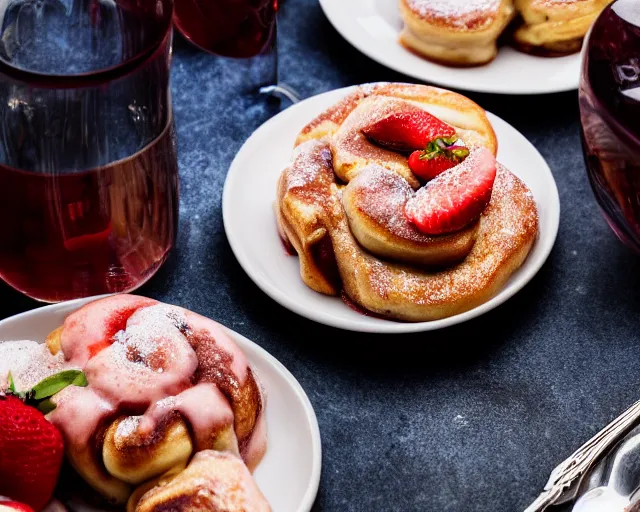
x: 101, y: 230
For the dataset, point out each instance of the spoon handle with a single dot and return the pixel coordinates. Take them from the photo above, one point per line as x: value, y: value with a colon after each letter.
x: 564, y: 480
x: 546, y: 499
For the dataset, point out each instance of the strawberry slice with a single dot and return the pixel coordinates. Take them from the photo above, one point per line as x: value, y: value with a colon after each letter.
x: 456, y: 198
x: 407, y: 131
x: 439, y: 156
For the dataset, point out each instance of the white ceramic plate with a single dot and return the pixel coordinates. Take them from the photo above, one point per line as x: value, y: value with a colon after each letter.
x: 373, y: 26
x: 249, y: 220
x: 289, y: 474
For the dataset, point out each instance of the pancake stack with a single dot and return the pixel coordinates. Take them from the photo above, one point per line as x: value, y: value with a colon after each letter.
x: 466, y: 32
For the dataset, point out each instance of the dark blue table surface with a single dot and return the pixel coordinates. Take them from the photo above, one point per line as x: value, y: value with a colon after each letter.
x: 471, y: 418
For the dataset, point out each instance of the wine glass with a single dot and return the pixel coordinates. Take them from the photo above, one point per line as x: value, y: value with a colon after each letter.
x: 610, y: 112
x: 242, y: 31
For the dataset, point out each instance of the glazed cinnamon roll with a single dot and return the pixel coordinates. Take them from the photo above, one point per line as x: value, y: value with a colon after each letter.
x: 168, y: 389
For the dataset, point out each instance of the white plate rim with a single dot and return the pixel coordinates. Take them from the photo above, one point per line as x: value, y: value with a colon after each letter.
x: 389, y: 327
x: 316, y: 446
x: 348, y: 32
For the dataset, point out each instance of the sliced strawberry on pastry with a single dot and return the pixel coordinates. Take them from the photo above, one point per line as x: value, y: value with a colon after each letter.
x: 456, y: 198
x: 439, y: 156
x: 408, y: 131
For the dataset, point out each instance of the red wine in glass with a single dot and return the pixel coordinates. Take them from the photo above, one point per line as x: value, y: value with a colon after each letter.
x: 610, y: 112
x: 229, y: 28
x: 88, y: 166
x: 243, y: 34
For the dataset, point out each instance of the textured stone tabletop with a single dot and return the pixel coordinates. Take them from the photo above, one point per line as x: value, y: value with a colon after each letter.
x: 471, y: 418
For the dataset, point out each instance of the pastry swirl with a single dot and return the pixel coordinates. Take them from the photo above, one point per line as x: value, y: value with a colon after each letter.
x: 355, y: 239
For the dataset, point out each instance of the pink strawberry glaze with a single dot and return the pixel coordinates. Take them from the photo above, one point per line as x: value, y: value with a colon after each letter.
x: 148, y: 361
x: 96, y: 322
x: 203, y: 406
x: 149, y: 367
x: 78, y: 414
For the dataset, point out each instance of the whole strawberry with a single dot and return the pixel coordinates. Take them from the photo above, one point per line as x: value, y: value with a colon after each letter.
x: 31, y: 448
x: 31, y: 453
x: 7, y: 505
x: 438, y: 156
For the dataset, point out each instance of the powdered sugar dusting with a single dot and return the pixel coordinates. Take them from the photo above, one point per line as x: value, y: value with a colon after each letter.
x: 507, y: 229
x: 127, y: 427
x: 29, y: 362
x: 381, y: 194
x: 307, y: 162
x: 461, y: 13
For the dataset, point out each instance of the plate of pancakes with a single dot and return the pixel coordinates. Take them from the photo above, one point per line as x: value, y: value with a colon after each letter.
x: 323, y: 231
x: 220, y: 423
x: 492, y: 46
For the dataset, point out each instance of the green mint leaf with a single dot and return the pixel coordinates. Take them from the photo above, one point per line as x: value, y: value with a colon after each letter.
x: 56, y: 383
x: 12, y: 384
x: 46, y: 406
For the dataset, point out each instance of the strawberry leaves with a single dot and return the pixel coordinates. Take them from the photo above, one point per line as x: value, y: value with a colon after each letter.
x: 40, y: 395
x: 12, y: 384
x: 438, y: 156
x: 444, y: 147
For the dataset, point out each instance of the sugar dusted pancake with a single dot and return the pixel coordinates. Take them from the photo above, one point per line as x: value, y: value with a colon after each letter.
x: 341, y: 204
x: 555, y: 27
x: 455, y: 32
x: 506, y: 233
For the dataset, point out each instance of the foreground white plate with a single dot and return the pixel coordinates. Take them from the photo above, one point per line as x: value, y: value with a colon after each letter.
x: 249, y: 220
x: 289, y: 474
x: 373, y: 26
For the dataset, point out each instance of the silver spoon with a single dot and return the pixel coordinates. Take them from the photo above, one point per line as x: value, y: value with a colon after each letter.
x: 564, y: 483
x: 613, y: 483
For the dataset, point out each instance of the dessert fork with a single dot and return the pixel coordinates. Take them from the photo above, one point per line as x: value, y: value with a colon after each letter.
x: 564, y: 481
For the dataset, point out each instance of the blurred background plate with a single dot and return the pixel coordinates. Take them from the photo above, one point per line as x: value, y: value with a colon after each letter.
x: 373, y: 27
